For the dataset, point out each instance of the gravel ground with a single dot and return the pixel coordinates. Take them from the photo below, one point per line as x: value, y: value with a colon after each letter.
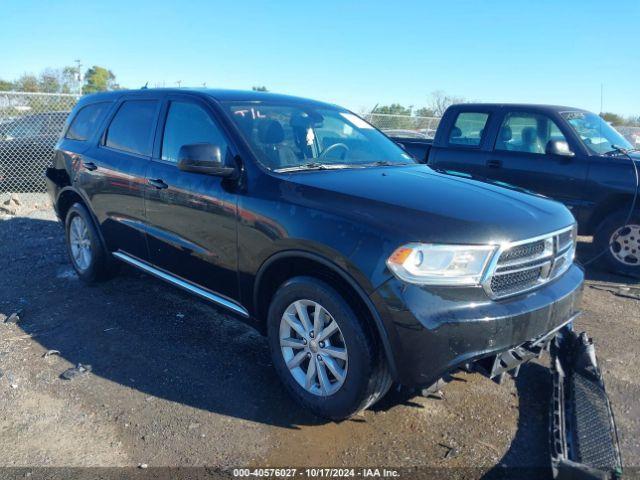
x: 174, y: 382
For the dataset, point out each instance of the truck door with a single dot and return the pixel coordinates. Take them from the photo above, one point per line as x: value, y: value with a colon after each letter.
x: 519, y: 158
x: 464, y: 145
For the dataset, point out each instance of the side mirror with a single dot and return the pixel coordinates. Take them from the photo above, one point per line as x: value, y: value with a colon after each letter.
x: 203, y: 158
x: 558, y: 147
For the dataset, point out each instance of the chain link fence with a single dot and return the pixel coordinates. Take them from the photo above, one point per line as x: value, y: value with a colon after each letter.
x: 404, y: 125
x: 30, y: 125
x: 632, y: 134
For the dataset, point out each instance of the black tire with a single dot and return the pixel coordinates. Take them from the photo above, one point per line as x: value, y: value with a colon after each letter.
x: 603, y: 242
x: 367, y: 378
x: 102, y: 266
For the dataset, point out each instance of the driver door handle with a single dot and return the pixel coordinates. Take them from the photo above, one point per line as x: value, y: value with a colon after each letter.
x: 494, y: 163
x: 89, y: 166
x: 157, y: 183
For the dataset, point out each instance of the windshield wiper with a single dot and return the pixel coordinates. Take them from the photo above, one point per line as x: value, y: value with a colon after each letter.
x: 315, y: 166
x: 384, y: 163
x: 620, y: 151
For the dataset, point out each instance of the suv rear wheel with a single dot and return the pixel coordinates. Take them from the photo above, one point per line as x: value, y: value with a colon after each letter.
x: 326, y: 357
x: 619, y: 238
x: 90, y: 259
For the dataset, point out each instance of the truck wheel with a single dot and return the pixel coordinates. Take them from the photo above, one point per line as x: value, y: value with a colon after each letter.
x: 90, y: 259
x: 326, y: 357
x: 620, y: 240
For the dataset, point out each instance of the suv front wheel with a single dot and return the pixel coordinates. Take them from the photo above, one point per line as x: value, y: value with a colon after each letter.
x: 326, y: 357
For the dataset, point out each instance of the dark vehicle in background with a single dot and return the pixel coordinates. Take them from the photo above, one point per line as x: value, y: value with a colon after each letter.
x: 564, y: 153
x: 362, y: 266
x: 26, y: 148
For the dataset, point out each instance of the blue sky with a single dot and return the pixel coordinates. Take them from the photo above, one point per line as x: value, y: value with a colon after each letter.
x: 357, y: 54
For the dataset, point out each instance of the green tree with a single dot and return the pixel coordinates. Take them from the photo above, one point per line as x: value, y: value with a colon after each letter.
x: 392, y: 117
x: 27, y: 83
x: 5, y: 86
x: 612, y: 118
x: 99, y: 79
x: 393, y: 109
x: 69, y: 79
x: 49, y: 81
x: 259, y: 89
x: 425, y: 112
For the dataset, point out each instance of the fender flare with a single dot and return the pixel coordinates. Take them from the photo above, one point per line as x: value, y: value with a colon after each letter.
x: 379, y: 324
x: 87, y: 205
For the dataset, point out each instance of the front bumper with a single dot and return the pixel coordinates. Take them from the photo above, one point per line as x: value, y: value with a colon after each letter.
x: 433, y: 331
x: 584, y: 441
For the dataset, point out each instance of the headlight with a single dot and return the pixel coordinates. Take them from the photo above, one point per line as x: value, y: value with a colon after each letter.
x: 428, y: 264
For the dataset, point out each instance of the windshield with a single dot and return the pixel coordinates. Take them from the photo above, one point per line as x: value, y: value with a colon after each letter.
x: 295, y: 137
x: 597, y: 135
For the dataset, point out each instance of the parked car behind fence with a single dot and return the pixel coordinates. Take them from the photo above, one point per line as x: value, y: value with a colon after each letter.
x: 30, y: 125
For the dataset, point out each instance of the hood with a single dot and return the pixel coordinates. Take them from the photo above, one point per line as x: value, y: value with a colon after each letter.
x: 419, y: 204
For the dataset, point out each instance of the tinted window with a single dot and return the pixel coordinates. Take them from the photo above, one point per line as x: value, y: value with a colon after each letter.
x: 131, y: 129
x: 188, y: 123
x: 527, y: 132
x: 86, y: 121
x: 468, y: 129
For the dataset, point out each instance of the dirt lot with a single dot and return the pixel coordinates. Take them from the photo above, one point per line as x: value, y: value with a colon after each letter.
x: 175, y: 382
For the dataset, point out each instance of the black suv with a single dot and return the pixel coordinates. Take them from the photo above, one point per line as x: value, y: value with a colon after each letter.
x: 361, y: 266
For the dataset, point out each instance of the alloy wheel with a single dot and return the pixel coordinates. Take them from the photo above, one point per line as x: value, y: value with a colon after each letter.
x: 313, y: 348
x: 80, y: 243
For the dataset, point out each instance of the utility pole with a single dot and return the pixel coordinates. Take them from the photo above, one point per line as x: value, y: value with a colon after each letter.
x: 601, y: 98
x: 79, y: 74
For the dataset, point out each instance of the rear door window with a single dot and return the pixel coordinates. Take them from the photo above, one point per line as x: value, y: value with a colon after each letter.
x: 86, y: 121
x: 132, y: 127
x: 468, y: 129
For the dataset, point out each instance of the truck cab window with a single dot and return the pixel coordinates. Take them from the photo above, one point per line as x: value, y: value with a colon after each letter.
x: 527, y: 132
x: 468, y: 129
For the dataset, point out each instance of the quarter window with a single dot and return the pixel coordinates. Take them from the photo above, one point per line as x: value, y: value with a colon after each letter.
x: 86, y: 121
x: 188, y: 123
x: 527, y: 132
x: 468, y: 129
x: 131, y: 129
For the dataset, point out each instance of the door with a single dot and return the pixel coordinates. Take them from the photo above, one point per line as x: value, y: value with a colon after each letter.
x: 192, y: 216
x: 465, y: 146
x: 112, y: 174
x: 519, y: 159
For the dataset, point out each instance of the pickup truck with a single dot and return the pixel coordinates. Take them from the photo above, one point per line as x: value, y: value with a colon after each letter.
x: 565, y: 153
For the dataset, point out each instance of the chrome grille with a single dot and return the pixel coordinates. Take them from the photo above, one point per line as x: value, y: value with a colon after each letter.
x: 522, y: 266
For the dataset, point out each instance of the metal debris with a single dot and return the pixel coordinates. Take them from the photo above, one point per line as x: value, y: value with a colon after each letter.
x: 76, y: 371
x: 451, y: 451
x: 619, y: 290
x: 14, y: 317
